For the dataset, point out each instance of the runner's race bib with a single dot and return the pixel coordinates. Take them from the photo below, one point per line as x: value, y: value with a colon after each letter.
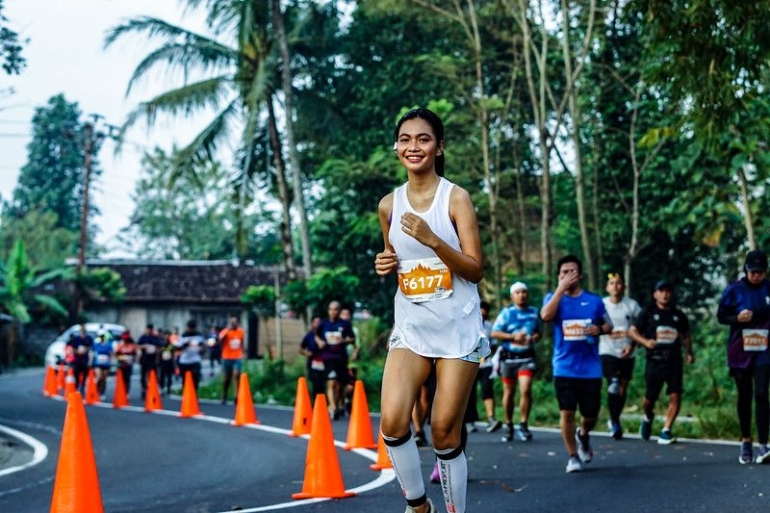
x: 575, y: 329
x: 425, y: 279
x: 166, y: 355
x: 333, y: 338
x: 149, y: 349
x: 235, y: 343
x: 126, y: 358
x: 102, y: 358
x: 666, y: 335
x: 754, y: 340
x: 317, y: 364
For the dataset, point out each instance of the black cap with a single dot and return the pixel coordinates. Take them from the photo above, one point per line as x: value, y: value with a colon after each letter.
x: 756, y: 260
x: 663, y: 284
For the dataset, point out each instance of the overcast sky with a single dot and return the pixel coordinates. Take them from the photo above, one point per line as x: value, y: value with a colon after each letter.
x: 65, y: 55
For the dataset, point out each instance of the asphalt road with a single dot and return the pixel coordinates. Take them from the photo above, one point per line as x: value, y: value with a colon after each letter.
x: 159, y: 462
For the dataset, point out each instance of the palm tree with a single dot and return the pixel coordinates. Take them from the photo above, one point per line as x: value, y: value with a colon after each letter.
x: 234, y: 79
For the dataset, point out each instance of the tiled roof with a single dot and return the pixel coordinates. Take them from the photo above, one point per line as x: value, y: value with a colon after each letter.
x: 215, y: 281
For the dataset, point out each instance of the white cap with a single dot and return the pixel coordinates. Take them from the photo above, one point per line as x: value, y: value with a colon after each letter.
x: 518, y: 286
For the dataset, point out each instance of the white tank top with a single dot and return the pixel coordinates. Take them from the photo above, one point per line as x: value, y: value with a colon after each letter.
x: 437, y: 315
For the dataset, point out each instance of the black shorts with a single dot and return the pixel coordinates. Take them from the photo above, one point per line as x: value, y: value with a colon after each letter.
x: 660, y: 372
x: 487, y: 385
x: 612, y: 366
x: 336, y: 370
x: 579, y: 393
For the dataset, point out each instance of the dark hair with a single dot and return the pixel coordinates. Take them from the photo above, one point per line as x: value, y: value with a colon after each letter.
x: 192, y: 324
x: 569, y: 259
x: 485, y: 305
x: 435, y: 123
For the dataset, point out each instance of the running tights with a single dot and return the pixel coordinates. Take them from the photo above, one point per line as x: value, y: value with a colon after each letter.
x: 759, y: 381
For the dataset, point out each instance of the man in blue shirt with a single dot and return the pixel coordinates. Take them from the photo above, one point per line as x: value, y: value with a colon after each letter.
x: 517, y: 327
x: 334, y: 334
x: 578, y: 318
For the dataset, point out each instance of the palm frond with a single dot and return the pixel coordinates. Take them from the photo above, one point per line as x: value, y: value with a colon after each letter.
x: 184, y: 100
x: 204, y: 147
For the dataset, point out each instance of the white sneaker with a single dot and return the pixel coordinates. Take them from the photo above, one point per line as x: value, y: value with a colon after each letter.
x: 574, y: 465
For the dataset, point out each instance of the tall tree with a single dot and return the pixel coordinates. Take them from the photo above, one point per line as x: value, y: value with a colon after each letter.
x: 51, y: 180
x: 294, y: 160
x: 10, y: 47
x: 188, y: 220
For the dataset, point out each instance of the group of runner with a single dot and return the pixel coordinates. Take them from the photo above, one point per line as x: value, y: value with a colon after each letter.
x: 167, y: 353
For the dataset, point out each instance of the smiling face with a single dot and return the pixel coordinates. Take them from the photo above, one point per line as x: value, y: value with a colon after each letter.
x: 417, y: 146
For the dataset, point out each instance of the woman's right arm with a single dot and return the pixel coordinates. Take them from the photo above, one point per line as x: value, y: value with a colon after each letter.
x: 386, y: 261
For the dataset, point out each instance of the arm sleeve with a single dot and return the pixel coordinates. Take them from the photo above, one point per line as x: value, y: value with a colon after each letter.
x: 726, y: 310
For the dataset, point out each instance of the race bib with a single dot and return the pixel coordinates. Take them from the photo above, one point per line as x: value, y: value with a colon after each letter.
x: 126, y: 358
x: 235, y: 343
x: 425, y: 279
x: 575, y: 329
x: 166, y: 355
x: 317, y: 365
x: 149, y: 349
x: 666, y: 334
x: 333, y: 338
x: 102, y: 358
x: 754, y: 340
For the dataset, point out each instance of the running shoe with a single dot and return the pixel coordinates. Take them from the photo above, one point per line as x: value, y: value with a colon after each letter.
x: 747, y: 455
x: 431, y: 509
x: 645, y: 430
x: 666, y: 438
x: 493, y: 425
x: 471, y: 427
x: 523, y: 433
x: 508, y: 436
x: 435, y: 476
x: 763, y: 456
x: 574, y: 465
x: 584, y: 450
x: 616, y: 430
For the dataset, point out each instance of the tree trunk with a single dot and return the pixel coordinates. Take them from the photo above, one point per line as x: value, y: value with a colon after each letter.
x: 299, y: 196
x: 283, y: 192
x: 747, y: 216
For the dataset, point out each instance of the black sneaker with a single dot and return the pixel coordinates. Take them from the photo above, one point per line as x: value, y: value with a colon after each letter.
x: 523, y: 433
x: 508, y: 436
x: 645, y: 430
x: 585, y: 453
x: 746, y: 456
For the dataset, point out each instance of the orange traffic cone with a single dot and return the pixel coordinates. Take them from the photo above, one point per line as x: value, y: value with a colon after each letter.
x: 303, y: 412
x: 383, y: 460
x: 323, y: 476
x: 189, y: 397
x: 244, y: 410
x: 92, y: 393
x: 120, y: 397
x: 69, y: 383
x: 360, y: 428
x: 49, y: 385
x: 152, y: 400
x: 76, y: 487
x: 61, y: 378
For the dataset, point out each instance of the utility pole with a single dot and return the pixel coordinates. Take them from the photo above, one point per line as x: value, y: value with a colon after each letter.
x: 92, y: 136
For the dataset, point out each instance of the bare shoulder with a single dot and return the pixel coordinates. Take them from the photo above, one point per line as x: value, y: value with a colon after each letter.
x: 459, y: 194
x: 386, y: 204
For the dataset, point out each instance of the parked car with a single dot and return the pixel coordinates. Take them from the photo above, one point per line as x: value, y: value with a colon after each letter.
x: 56, y: 352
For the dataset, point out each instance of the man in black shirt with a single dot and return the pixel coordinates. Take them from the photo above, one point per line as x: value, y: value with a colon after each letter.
x: 663, y: 330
